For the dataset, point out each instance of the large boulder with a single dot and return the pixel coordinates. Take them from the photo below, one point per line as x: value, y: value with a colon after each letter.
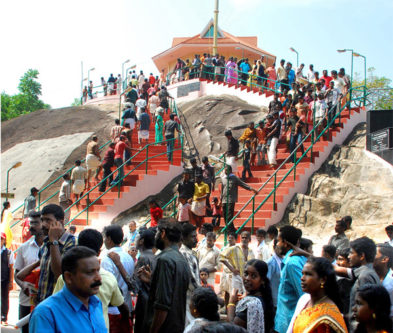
x: 348, y: 183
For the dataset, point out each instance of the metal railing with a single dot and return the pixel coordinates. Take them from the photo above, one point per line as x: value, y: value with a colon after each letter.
x: 315, y: 137
x: 86, y: 196
x: 53, y: 182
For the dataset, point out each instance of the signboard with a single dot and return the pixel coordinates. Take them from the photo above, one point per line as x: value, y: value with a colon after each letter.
x: 379, y: 140
x: 187, y: 88
x: 9, y: 195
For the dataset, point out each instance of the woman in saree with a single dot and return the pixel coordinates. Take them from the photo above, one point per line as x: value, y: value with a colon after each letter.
x: 318, y: 310
x: 230, y: 71
x: 158, y: 128
x: 271, y: 76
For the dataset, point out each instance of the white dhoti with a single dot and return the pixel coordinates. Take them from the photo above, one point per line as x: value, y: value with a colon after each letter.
x: 78, y: 186
x: 130, y: 121
x: 199, y: 207
x: 92, y: 162
x: 231, y: 160
x: 143, y: 135
x: 271, y: 154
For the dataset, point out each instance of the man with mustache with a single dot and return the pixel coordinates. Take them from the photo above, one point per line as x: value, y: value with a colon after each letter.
x: 109, y: 292
x: 28, y: 254
x: 75, y: 308
x: 166, y: 307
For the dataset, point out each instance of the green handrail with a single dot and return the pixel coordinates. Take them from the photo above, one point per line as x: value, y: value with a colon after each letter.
x: 49, y: 185
x: 239, y: 72
x: 293, y: 168
x: 89, y: 204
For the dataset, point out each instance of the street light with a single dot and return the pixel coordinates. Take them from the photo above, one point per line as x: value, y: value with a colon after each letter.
x: 88, y: 74
x: 297, y: 55
x: 16, y: 165
x: 355, y: 54
x: 122, y: 71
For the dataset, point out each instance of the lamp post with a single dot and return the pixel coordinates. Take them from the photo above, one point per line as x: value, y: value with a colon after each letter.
x: 355, y: 54
x: 122, y: 72
x: 88, y: 75
x: 16, y: 165
x: 297, y: 56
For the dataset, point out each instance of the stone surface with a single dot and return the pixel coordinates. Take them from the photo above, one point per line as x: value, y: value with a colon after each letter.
x: 208, y: 117
x: 348, y: 183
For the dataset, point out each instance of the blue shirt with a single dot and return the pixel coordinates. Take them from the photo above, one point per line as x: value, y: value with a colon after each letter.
x: 291, y: 77
x: 289, y: 290
x: 274, y: 275
x: 245, y: 67
x: 64, y: 312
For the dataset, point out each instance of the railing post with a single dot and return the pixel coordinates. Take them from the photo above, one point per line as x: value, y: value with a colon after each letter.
x: 147, y: 156
x: 182, y: 147
x: 312, y: 142
x: 174, y: 208
x: 253, y: 208
x: 172, y: 149
x: 39, y: 200
x: 87, y: 210
x: 294, y: 164
x: 274, y: 193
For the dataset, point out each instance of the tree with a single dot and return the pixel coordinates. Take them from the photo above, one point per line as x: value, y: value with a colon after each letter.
x: 379, y: 88
x: 26, y: 101
x: 76, y: 102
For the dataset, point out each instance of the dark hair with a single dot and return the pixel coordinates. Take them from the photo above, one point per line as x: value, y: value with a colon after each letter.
x: 232, y: 233
x: 33, y: 190
x: 205, y: 302
x: 265, y: 290
x: 342, y: 224
x: 193, y: 160
x: 220, y: 327
x: 172, y: 229
x: 171, y: 116
x: 347, y: 219
x: 246, y: 233
x: 389, y: 228
x: 330, y: 250
x: 6, y: 204
x: 305, y: 243
x: 115, y: 232
x: 72, y: 227
x: 34, y: 214
x: 290, y: 234
x: 148, y: 238
x: 261, y: 232
x: 208, y: 227
x: 366, y: 246
x: 69, y: 260
x: 56, y: 210
x: 187, y: 229
x: 78, y: 162
x: 204, y: 269
x: 378, y: 300
x: 272, y: 230
x: 387, y: 251
x: 205, y: 159
x: 92, y: 239
x: 325, y: 269
x: 344, y: 252
x: 153, y: 202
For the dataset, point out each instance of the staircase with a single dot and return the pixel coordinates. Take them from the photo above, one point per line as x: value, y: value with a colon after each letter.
x: 148, y: 173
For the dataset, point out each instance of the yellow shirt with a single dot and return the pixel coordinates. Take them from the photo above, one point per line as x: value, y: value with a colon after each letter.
x: 200, y: 190
x: 235, y: 256
x: 109, y: 292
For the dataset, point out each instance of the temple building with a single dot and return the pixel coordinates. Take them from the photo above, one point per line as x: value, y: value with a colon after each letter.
x: 227, y: 45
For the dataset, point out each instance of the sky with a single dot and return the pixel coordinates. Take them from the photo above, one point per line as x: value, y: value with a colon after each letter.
x: 55, y: 37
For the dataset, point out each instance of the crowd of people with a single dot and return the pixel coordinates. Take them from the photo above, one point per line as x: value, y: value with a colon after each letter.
x: 117, y: 85
x: 165, y: 279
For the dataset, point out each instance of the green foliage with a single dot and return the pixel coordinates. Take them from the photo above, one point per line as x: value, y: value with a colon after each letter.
x: 380, y: 90
x: 26, y: 101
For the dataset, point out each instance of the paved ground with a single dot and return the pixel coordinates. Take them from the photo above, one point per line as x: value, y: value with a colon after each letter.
x: 12, y: 314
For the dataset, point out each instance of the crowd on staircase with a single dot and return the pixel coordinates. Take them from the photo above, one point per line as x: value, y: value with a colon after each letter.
x: 166, y: 278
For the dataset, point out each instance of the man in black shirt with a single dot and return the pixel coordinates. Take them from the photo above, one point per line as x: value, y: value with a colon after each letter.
x: 186, y: 187
x: 166, y: 307
x: 170, y: 127
x: 275, y: 104
x: 195, y: 169
x: 232, y: 151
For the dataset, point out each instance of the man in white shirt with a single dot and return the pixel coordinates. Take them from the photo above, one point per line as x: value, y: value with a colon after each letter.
x: 338, y: 82
x: 113, y: 237
x: 65, y: 197
x: 208, y: 256
x: 28, y: 254
x: 132, y: 235
x: 311, y: 74
x: 261, y: 250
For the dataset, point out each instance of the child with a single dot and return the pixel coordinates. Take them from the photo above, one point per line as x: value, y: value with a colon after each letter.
x: 155, y: 213
x: 183, y: 210
x: 246, y: 160
x: 204, y: 275
x: 329, y: 252
x: 7, y: 277
x: 133, y: 253
x: 344, y: 284
x: 216, y: 212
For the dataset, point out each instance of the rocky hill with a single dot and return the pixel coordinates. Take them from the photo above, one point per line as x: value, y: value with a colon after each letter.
x: 348, y: 183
